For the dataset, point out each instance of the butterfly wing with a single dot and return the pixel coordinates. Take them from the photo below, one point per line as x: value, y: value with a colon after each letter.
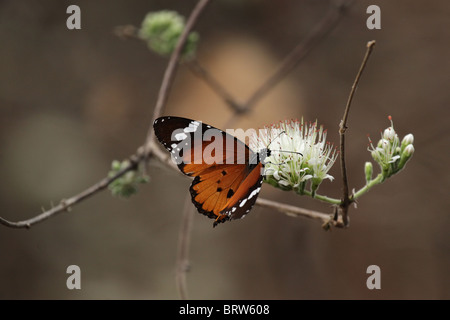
x: 225, y: 185
x: 240, y: 204
x: 184, y: 139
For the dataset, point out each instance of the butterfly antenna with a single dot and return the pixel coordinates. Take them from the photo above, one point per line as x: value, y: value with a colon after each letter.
x: 275, y: 138
x: 288, y: 152
x: 282, y: 150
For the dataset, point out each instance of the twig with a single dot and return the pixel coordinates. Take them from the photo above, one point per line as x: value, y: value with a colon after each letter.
x: 202, y: 73
x: 318, y: 33
x: 66, y: 204
x: 346, y: 201
x: 169, y: 74
x: 184, y: 238
x: 323, y: 28
x: 298, y: 212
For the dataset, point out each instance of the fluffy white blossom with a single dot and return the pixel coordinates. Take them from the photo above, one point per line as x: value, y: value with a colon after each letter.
x: 298, y: 153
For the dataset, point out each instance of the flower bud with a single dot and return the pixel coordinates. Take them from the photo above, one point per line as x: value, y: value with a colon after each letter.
x: 368, y: 169
x: 116, y: 165
x: 127, y: 184
x: 389, y: 133
x: 383, y: 144
x: 409, y: 150
x: 161, y: 31
x: 408, y: 139
x: 389, y: 153
x: 406, y: 155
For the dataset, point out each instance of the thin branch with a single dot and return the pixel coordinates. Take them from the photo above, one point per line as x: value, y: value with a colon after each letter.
x: 298, y: 212
x: 66, y: 204
x: 317, y: 34
x: 203, y: 74
x: 346, y: 201
x: 169, y: 74
x: 182, y: 264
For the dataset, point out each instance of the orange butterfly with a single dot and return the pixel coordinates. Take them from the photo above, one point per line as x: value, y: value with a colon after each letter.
x: 227, y: 179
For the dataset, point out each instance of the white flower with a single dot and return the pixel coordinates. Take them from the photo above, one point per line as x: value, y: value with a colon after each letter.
x: 298, y: 153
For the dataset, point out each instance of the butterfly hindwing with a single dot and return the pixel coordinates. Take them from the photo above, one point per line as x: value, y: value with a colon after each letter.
x: 225, y: 184
x: 245, y: 197
x: 212, y: 191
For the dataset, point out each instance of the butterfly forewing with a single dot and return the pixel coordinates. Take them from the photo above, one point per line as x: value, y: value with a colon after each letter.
x: 225, y: 184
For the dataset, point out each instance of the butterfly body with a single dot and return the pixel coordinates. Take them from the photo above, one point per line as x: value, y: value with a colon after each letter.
x: 227, y: 174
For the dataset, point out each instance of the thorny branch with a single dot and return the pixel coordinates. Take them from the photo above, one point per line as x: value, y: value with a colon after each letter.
x: 346, y: 201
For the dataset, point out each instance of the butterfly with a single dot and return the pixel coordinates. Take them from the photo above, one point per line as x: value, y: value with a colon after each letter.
x: 227, y: 174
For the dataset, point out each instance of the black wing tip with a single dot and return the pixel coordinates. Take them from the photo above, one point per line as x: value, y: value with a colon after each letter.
x: 162, y: 119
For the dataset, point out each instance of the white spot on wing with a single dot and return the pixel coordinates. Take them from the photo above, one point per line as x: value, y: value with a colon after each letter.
x: 243, y: 203
x: 174, y: 145
x: 254, y: 193
x: 180, y: 136
x: 192, y: 126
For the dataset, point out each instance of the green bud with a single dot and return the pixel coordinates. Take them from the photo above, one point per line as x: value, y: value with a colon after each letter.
x: 127, y: 184
x: 368, y: 169
x: 115, y: 165
x: 407, y: 140
x: 406, y: 155
x: 161, y: 31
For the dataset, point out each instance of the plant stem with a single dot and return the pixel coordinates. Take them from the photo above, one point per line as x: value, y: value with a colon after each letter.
x: 323, y: 198
x: 378, y: 179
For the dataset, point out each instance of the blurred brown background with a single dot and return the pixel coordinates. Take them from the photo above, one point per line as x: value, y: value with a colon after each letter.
x: 72, y: 101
